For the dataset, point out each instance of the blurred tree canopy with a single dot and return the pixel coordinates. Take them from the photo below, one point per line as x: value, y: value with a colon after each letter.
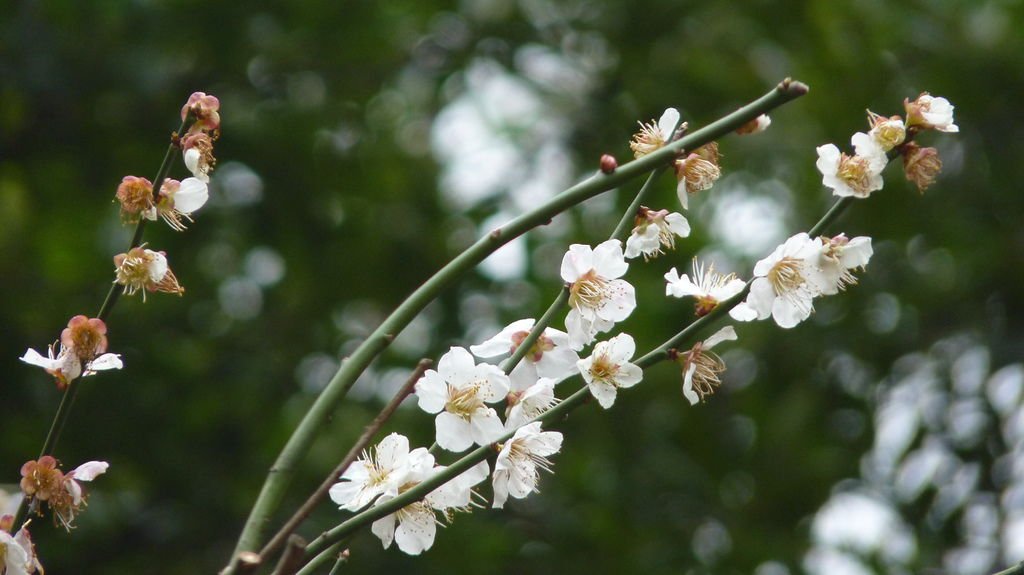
x: 364, y: 144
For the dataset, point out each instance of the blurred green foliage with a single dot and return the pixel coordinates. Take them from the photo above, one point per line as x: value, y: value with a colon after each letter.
x: 325, y: 213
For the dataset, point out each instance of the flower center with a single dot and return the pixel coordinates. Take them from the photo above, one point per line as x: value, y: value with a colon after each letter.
x: 538, y: 348
x: 786, y: 275
x: 590, y: 291
x: 604, y: 370
x: 856, y: 173
x: 464, y: 402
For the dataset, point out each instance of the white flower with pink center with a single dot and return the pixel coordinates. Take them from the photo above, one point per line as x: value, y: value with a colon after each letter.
x: 783, y: 286
x: 597, y: 297
x: 458, y: 393
x: 608, y: 369
x: 550, y: 356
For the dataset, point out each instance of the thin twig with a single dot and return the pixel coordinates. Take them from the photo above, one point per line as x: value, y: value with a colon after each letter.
x: 371, y: 430
x: 291, y: 559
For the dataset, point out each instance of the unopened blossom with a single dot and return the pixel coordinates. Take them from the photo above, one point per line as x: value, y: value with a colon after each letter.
x: 929, y: 112
x: 414, y: 526
x: 755, y: 126
x: 380, y: 471
x: 197, y: 154
x: 136, y: 198
x: 697, y: 172
x: 550, y: 356
x: 782, y: 287
x: 857, y: 175
x: 517, y: 469
x: 707, y: 286
x: 598, y: 299
x: 921, y: 165
x: 526, y: 405
x: 458, y: 393
x: 18, y: 554
x: 145, y: 270
x: 655, y: 231
x: 205, y: 108
x: 608, y: 369
x: 886, y: 132
x: 832, y: 270
x: 702, y: 367
x: 177, y: 200
x: 653, y: 136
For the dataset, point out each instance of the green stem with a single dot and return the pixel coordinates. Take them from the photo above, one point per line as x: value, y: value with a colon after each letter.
x: 538, y: 328
x: 1015, y: 570
x: 281, y: 473
x: 629, y: 217
x: 329, y: 554
x: 656, y: 355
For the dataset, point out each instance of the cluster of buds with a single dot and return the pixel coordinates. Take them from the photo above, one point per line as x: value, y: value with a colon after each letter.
x: 861, y: 174
x: 79, y: 352
x: 197, y: 144
x: 42, y: 481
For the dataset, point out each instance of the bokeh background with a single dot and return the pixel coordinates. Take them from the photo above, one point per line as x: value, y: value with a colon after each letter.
x: 364, y: 144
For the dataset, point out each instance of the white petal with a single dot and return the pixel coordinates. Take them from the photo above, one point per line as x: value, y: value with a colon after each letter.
x: 558, y: 363
x: 432, y: 392
x: 344, y: 492
x: 486, y: 427
x: 727, y: 333
x: 392, y: 451
x: 668, y: 122
x: 90, y: 470
x: 678, y: 224
x: 761, y: 297
x: 415, y: 532
x: 621, y: 302
x: 857, y: 252
x: 106, y: 361
x: 33, y: 357
x: 608, y: 259
x: 628, y: 376
x: 787, y: 313
x: 604, y: 393
x: 688, y: 391
x: 456, y: 366
x: 384, y: 528
x: 684, y: 196
x: 494, y: 384
x: 621, y: 348
x: 743, y: 312
x: 681, y: 286
x: 157, y: 265
x: 499, y: 484
x: 828, y: 160
x: 191, y: 196
x: 453, y: 432
x: 576, y: 262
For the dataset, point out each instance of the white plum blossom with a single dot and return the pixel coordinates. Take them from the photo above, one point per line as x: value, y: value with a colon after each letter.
x: 783, y: 286
x: 708, y: 287
x: 839, y: 255
x: 608, y: 369
x: 930, y: 112
x: 550, y: 356
x: 85, y: 472
x: 17, y: 556
x: 178, y: 200
x: 378, y: 472
x: 414, y: 526
x: 526, y: 405
x: 65, y: 366
x: 856, y: 176
x: 697, y: 172
x: 654, y: 136
x: 458, y: 393
x: 145, y: 270
x: 520, y: 461
x: 701, y: 366
x: 655, y: 231
x: 597, y: 297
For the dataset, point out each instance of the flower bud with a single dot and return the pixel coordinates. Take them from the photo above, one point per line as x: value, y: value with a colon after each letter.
x: 921, y: 165
x: 608, y: 164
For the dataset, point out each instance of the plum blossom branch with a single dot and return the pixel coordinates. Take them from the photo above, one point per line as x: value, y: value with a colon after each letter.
x: 658, y: 354
x: 277, y: 481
